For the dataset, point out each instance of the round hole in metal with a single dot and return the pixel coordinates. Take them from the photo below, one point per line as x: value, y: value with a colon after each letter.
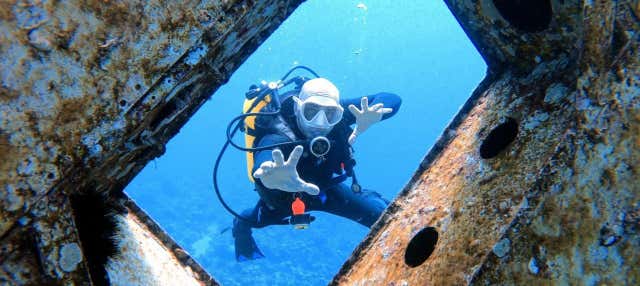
x: 499, y: 138
x: 420, y: 247
x: 526, y: 15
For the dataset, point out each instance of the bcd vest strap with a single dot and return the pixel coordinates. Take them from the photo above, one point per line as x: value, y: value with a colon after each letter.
x: 250, y: 132
x: 257, y: 127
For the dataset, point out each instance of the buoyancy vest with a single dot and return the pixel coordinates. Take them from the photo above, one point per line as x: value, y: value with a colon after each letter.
x: 255, y: 127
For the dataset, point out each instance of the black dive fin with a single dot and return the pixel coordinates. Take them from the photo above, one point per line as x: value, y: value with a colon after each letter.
x: 246, y: 248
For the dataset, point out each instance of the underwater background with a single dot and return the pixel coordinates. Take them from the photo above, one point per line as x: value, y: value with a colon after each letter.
x: 415, y: 49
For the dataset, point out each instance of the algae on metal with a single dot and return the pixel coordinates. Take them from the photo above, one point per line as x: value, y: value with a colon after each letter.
x: 559, y: 205
x: 90, y: 92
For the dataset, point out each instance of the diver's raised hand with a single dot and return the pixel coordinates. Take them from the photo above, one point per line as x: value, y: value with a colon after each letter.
x: 281, y: 175
x: 366, y: 117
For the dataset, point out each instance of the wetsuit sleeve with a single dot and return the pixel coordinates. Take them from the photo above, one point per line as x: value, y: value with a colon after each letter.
x: 265, y: 155
x: 389, y: 100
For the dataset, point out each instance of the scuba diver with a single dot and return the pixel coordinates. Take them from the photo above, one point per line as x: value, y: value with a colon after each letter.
x: 313, y: 159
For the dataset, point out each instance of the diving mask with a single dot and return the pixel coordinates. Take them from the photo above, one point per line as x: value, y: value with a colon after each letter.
x: 317, y: 107
x: 317, y: 115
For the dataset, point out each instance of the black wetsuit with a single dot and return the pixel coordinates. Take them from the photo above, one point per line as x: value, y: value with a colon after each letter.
x: 336, y: 196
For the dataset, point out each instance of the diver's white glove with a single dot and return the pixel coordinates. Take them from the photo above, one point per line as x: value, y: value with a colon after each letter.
x: 281, y: 175
x: 366, y: 117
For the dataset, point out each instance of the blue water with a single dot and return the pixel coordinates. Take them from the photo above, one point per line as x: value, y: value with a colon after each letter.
x: 415, y: 49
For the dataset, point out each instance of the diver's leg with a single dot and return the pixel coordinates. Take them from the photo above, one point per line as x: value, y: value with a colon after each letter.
x: 364, y: 207
x: 256, y: 217
x: 246, y: 247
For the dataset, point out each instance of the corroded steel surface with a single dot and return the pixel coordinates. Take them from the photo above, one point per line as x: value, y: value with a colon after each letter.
x: 558, y: 205
x: 141, y: 225
x: 506, y: 46
x: 146, y: 258
x: 44, y: 249
x: 90, y: 92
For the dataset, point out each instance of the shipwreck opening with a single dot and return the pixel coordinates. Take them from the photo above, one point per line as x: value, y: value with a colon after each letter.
x: 499, y: 138
x: 526, y: 15
x: 420, y: 247
x: 357, y: 49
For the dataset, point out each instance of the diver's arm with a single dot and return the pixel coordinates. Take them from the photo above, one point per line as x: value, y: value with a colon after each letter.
x: 368, y: 115
x: 265, y: 155
x: 277, y: 174
x: 389, y: 100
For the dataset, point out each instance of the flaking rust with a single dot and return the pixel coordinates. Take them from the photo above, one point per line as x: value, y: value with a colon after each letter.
x: 90, y: 91
x: 558, y: 204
